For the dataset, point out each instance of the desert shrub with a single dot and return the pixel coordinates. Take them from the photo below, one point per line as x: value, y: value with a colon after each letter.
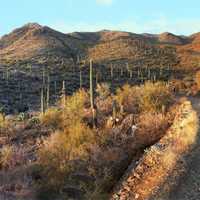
x: 151, y: 127
x: 33, y: 121
x: 103, y: 90
x: 11, y: 156
x: 6, y: 127
x: 127, y: 98
x: 22, y: 116
x: 61, y: 150
x: 52, y: 118
x: 74, y: 109
x: 105, y: 106
x: 148, y: 97
x: 154, y: 96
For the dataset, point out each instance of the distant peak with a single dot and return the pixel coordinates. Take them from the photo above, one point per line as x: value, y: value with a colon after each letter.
x: 32, y: 25
x: 167, y: 34
x: 105, y: 30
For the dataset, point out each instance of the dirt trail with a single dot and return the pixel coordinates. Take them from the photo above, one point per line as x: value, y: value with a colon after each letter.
x: 188, y: 187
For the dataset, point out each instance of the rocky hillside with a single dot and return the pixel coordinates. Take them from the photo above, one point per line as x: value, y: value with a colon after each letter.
x: 41, y: 44
x: 33, y: 53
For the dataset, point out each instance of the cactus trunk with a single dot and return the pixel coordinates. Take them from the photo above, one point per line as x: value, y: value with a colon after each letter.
x: 81, y: 81
x: 48, y: 91
x: 92, y: 95
x: 63, y: 95
x: 42, y: 101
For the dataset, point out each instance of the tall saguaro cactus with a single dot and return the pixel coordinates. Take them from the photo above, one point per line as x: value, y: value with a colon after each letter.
x: 80, y: 78
x: 149, y: 74
x: 92, y: 95
x: 48, y: 91
x: 131, y: 73
x: 43, y: 76
x: 7, y: 75
x: 42, y: 101
x: 55, y: 88
x: 111, y: 70
x: 114, y: 109
x: 63, y: 94
x: 91, y: 85
x: 121, y: 71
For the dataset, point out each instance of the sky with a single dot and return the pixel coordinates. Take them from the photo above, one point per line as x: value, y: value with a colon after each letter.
x: 139, y: 16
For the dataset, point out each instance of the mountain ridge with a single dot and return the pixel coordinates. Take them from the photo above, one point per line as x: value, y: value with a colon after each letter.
x: 35, y: 42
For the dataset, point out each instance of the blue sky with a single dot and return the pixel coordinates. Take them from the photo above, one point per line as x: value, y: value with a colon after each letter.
x: 153, y: 16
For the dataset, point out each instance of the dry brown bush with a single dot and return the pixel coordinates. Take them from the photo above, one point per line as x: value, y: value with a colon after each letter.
x: 52, y: 118
x: 150, y: 97
x: 61, y: 149
x: 151, y: 127
x: 11, y: 156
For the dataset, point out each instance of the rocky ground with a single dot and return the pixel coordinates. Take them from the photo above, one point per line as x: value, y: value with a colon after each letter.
x: 188, y: 187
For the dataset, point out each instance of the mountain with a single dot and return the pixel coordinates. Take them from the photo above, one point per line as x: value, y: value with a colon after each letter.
x: 33, y: 52
x: 170, y: 38
x: 34, y: 43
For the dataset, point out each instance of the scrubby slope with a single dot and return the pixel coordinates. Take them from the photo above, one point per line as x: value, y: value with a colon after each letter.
x: 33, y: 40
x: 158, y: 163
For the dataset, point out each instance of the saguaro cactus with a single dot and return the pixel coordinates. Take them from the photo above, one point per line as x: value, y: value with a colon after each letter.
x: 63, y: 94
x: 149, y: 74
x: 55, y: 88
x: 138, y: 72
x: 111, y: 70
x: 43, y: 76
x: 154, y: 77
x: 161, y: 72
x: 48, y: 91
x: 114, y: 109
x: 42, y: 101
x: 7, y: 75
x: 131, y: 73
x: 92, y: 95
x: 121, y: 71
x: 91, y: 85
x: 81, y: 78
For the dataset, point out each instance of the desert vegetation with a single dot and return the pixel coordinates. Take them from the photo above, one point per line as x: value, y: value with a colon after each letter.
x: 90, y: 111
x: 63, y: 155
